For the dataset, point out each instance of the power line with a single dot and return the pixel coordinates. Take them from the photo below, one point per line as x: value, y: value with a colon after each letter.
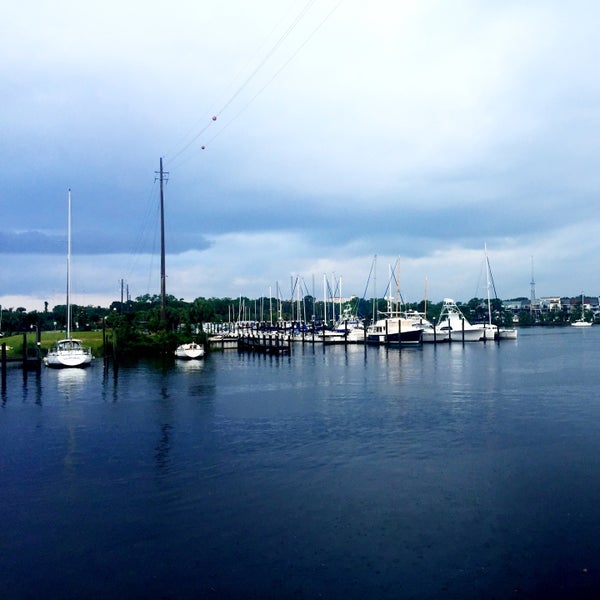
x: 253, y: 74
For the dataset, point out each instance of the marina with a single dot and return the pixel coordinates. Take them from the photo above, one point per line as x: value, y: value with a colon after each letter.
x: 444, y: 470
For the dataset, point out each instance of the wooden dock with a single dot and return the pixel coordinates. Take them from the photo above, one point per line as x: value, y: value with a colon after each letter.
x: 265, y: 343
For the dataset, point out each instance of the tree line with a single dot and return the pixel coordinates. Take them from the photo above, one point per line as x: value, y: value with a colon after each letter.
x: 144, y: 313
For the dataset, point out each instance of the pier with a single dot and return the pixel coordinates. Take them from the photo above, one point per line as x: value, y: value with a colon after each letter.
x: 265, y: 343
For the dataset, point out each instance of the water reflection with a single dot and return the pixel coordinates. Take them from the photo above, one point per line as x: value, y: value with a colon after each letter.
x: 162, y: 447
x: 190, y: 366
x: 71, y: 382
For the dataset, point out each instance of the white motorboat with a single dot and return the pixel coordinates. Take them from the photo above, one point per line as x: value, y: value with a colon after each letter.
x: 349, y: 328
x: 430, y: 333
x: 454, y: 324
x: 190, y: 351
x: 68, y: 352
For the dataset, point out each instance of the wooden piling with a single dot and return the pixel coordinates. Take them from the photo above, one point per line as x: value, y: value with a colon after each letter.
x: 3, y: 361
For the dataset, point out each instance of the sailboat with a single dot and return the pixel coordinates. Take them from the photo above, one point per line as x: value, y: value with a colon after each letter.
x: 189, y: 351
x: 495, y: 332
x: 68, y: 352
x: 581, y: 322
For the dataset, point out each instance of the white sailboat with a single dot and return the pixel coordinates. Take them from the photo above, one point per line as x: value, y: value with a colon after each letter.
x: 190, y: 351
x: 581, y: 322
x: 68, y: 352
x: 494, y: 331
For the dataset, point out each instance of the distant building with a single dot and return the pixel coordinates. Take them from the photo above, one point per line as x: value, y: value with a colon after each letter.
x: 550, y: 304
x: 516, y: 306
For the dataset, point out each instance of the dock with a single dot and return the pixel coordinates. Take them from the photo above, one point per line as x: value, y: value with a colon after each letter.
x: 265, y: 343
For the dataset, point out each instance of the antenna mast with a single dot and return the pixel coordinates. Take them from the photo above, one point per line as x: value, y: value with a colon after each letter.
x: 532, y: 304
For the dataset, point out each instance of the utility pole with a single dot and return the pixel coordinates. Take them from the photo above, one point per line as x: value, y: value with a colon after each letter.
x: 162, y: 178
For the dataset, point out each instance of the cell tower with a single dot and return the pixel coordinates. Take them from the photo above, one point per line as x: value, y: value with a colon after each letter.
x: 532, y: 302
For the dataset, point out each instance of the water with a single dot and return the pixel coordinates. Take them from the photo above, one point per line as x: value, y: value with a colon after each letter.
x: 442, y: 472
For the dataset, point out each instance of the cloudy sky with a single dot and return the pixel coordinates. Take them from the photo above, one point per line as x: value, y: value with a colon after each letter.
x: 417, y: 131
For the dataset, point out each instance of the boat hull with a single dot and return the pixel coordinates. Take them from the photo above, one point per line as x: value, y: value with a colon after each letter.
x: 430, y: 336
x: 190, y: 351
x: 68, y: 353
x: 411, y: 336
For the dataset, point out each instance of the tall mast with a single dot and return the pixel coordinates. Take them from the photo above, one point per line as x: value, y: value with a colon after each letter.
x: 488, y: 283
x: 69, y: 265
x: 374, y: 288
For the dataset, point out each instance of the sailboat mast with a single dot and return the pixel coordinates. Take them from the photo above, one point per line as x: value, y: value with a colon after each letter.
x: 487, y: 275
x: 69, y: 265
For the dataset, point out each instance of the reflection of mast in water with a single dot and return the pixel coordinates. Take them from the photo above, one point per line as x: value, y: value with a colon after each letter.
x: 69, y: 459
x: 162, y: 448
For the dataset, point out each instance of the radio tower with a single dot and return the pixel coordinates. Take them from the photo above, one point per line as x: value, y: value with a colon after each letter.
x: 532, y: 303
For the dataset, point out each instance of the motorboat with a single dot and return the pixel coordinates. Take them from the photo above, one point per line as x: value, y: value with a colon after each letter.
x: 453, y: 323
x: 349, y: 328
x: 394, y: 329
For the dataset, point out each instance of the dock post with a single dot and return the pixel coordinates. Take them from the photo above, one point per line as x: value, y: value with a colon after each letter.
x: 38, y: 347
x: 24, y: 353
x: 3, y: 361
x: 400, y: 333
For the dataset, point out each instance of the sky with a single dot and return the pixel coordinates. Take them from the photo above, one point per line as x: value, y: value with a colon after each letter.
x: 302, y: 139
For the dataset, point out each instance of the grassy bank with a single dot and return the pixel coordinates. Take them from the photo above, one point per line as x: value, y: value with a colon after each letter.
x: 14, y: 343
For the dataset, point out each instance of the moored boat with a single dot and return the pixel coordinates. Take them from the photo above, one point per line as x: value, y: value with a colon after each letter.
x: 581, y: 322
x: 190, y: 351
x: 68, y: 352
x: 453, y: 323
x: 394, y: 329
x: 350, y: 328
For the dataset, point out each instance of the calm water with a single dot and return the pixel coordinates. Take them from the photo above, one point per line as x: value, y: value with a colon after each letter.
x: 442, y: 472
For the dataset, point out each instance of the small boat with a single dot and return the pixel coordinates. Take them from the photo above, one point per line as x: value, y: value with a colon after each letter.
x: 507, y: 333
x: 68, y: 352
x: 581, y: 322
x: 190, y: 351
